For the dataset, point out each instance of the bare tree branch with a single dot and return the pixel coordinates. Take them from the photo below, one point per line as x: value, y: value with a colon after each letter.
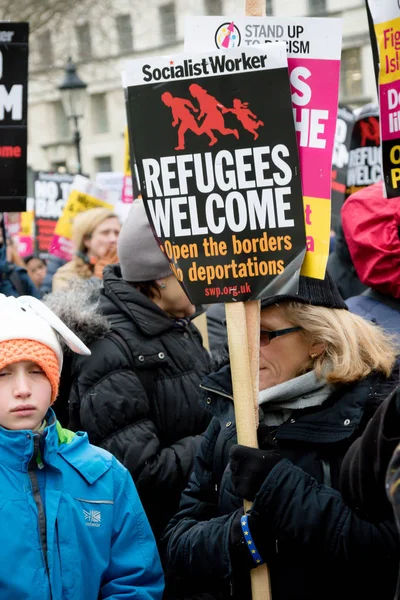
x: 38, y: 12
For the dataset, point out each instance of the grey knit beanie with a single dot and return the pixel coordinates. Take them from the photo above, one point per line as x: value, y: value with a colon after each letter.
x: 139, y: 254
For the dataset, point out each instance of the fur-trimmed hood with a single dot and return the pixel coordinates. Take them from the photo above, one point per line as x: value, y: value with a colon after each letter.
x: 78, y: 308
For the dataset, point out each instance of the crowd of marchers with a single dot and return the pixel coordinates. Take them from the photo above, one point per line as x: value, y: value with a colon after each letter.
x: 120, y: 468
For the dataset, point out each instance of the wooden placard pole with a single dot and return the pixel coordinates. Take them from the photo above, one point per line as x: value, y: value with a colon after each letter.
x: 243, y: 325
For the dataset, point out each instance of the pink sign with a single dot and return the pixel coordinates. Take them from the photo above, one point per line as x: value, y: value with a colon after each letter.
x: 313, y: 47
x: 62, y: 247
x: 25, y: 245
x: 314, y: 99
x: 127, y: 190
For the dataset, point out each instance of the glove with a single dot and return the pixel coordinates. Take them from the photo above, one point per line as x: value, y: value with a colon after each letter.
x: 250, y: 467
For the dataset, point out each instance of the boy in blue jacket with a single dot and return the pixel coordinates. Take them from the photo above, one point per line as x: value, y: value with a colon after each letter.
x: 71, y: 523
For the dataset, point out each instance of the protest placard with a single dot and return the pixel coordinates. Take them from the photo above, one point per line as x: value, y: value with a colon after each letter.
x: 313, y: 48
x: 51, y: 194
x: 130, y: 188
x: 13, y: 115
x: 386, y: 19
x: 127, y: 191
x: 19, y: 228
x: 26, y: 234
x: 216, y: 152
x: 340, y: 160
x: 112, y: 181
x: 84, y: 194
x: 364, y: 166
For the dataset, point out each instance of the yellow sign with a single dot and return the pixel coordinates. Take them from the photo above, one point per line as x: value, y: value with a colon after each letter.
x: 127, y: 161
x: 317, y: 217
x: 388, y: 38
x: 77, y: 202
x: 27, y: 219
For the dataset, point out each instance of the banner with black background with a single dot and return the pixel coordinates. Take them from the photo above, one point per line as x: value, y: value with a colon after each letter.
x: 51, y: 194
x: 364, y: 166
x: 13, y: 115
x: 214, y: 142
x: 340, y: 159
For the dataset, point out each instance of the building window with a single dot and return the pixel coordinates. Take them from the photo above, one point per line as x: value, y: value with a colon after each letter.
x: 99, y: 113
x: 59, y: 167
x: 351, y: 74
x: 213, y: 7
x: 84, y: 41
x: 45, y: 48
x: 167, y: 23
x: 63, y: 131
x: 103, y: 164
x: 317, y: 7
x: 124, y: 30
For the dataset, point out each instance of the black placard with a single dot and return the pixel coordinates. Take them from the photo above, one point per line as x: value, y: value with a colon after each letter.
x: 364, y: 166
x: 51, y: 193
x: 13, y: 115
x: 219, y: 173
x: 340, y: 159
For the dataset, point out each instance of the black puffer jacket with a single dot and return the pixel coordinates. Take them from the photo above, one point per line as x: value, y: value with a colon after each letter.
x: 154, y: 437
x: 318, y: 547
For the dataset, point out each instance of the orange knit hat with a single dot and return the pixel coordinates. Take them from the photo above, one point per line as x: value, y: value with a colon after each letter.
x: 13, y: 351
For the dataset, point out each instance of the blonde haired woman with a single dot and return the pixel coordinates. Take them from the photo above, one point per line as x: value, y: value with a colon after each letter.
x: 94, y: 234
x: 323, y: 372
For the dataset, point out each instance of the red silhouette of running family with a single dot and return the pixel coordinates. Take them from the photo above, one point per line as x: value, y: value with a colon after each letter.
x: 248, y: 119
x: 211, y: 111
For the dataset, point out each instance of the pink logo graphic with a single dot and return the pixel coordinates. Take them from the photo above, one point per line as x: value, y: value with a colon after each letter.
x: 227, y: 36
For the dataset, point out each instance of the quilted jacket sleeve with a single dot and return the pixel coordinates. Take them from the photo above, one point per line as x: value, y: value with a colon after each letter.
x: 115, y: 412
x: 365, y: 465
x: 371, y: 226
x: 294, y: 507
x: 292, y: 512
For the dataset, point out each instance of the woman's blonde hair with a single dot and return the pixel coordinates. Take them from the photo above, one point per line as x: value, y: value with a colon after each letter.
x: 354, y: 346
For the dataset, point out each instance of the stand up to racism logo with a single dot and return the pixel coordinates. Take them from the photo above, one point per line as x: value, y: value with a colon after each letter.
x: 227, y: 36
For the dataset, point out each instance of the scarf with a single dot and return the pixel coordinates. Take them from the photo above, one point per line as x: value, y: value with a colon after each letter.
x: 304, y: 391
x: 181, y: 323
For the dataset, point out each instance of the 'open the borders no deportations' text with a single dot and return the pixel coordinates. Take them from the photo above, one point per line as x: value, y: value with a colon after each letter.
x: 246, y: 190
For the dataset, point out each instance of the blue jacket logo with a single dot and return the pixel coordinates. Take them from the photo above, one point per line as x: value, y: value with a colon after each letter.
x: 92, y: 518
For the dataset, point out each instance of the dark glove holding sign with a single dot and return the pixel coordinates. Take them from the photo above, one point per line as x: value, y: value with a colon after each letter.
x: 250, y: 467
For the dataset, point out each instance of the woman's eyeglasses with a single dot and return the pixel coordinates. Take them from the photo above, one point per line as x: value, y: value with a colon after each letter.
x: 267, y: 336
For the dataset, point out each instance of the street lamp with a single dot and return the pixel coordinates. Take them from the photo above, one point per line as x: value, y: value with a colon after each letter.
x: 73, y: 91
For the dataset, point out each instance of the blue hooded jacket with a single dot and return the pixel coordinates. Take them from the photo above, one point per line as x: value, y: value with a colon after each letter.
x: 71, y: 523
x: 378, y: 308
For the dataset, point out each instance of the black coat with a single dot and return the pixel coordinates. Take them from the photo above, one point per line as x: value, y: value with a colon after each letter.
x: 318, y: 547
x: 154, y: 437
x: 365, y: 466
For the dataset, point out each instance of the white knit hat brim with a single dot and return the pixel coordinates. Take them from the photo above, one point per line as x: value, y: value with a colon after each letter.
x: 27, y: 318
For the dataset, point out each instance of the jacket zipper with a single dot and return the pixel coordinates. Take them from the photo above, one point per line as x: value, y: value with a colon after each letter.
x: 216, y: 392
x: 33, y: 464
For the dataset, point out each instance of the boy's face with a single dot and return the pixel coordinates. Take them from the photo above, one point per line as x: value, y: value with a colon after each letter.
x: 25, y: 396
